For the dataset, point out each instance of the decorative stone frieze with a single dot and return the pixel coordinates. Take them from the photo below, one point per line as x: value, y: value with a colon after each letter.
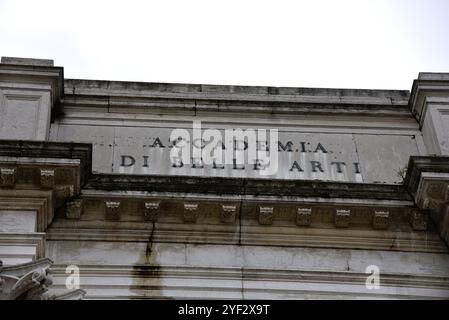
x: 266, y: 215
x: 190, y: 213
x: 303, y: 216
x: 342, y: 218
x: 151, y: 211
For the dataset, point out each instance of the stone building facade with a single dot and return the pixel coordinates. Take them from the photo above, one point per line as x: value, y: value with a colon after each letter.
x: 358, y: 208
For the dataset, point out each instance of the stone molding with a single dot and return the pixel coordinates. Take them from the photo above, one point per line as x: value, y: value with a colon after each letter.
x: 427, y: 86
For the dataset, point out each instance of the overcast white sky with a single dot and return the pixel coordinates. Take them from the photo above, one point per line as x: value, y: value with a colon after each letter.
x: 347, y: 44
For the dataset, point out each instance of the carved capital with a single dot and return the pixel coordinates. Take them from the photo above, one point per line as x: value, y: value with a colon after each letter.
x: 190, y: 214
x: 7, y: 177
x: 266, y: 215
x: 74, y: 209
x: 228, y: 213
x: 112, y: 210
x: 47, y: 179
x: 151, y: 211
x: 304, y: 216
x: 342, y: 218
x: 381, y: 219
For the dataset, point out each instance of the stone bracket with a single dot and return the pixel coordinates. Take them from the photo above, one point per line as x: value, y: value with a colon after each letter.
x: 428, y: 181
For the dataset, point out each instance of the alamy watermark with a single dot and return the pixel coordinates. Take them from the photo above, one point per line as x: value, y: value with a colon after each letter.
x: 72, y: 282
x: 373, y: 280
x: 210, y: 147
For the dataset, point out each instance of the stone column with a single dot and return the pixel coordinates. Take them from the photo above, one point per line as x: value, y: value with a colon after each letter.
x: 29, y: 90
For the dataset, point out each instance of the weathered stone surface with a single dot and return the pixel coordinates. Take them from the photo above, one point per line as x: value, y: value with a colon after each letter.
x: 17, y: 221
x: 375, y: 151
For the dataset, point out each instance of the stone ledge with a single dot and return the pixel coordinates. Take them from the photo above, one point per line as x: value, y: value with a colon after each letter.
x: 246, y: 186
x: 27, y: 61
x: 54, y: 150
x: 223, y: 92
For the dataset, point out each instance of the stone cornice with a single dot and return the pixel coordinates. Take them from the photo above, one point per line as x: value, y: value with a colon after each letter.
x: 51, y: 150
x: 170, y: 97
x: 231, y: 92
x: 429, y: 87
x: 41, y: 176
x: 247, y: 186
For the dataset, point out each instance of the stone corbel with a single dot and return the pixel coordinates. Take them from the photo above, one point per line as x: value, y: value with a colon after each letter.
x: 112, y: 210
x: 428, y: 181
x: 190, y: 212
x: 151, y: 211
x: 342, y: 218
x: 266, y: 215
x: 228, y: 213
x: 74, y: 209
x: 304, y: 216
